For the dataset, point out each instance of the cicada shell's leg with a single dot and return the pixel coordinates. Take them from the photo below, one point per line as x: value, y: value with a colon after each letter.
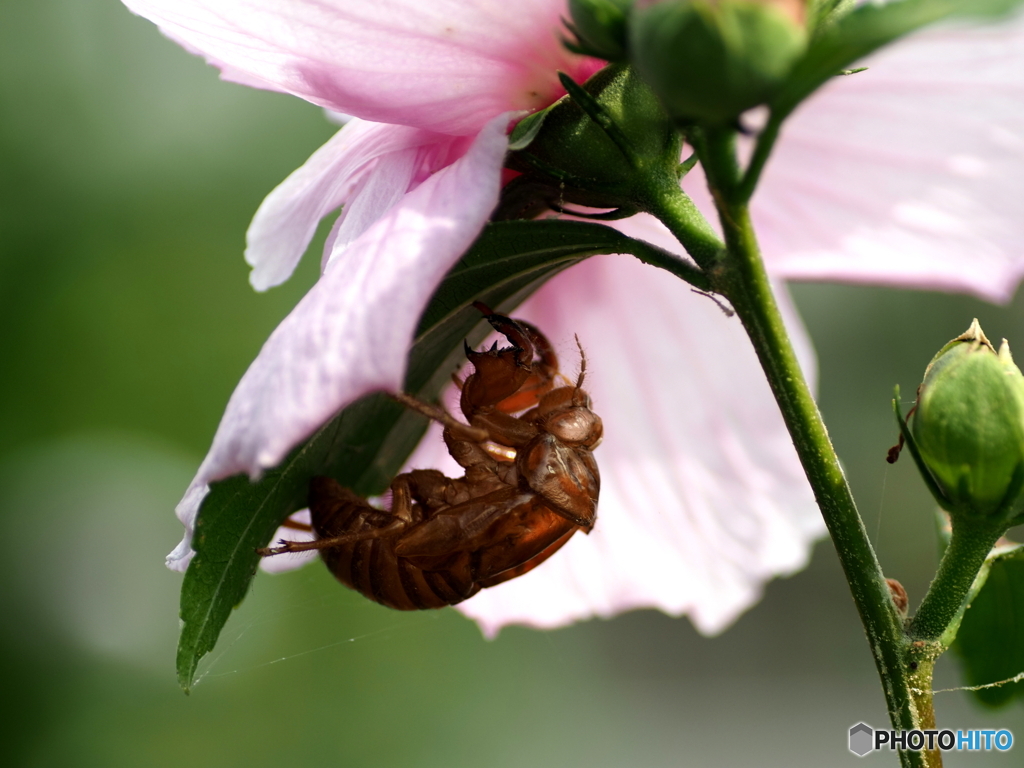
x: 496, y: 376
x: 468, y: 453
x: 519, y: 333
x: 341, y: 517
x: 429, y: 489
x: 334, y: 541
x: 541, y: 380
x: 512, y: 379
x: 295, y: 525
x: 505, y: 429
x: 440, y: 415
x: 497, y: 373
x: 467, y: 443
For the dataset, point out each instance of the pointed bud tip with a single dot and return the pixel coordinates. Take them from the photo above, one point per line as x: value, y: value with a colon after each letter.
x: 1004, y: 353
x: 974, y: 333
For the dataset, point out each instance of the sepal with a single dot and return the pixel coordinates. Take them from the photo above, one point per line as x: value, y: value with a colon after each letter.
x: 602, y: 145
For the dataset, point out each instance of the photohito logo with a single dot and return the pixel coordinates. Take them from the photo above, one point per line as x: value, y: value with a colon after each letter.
x: 864, y: 740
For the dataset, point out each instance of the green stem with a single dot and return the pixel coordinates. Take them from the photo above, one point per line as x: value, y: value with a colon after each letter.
x: 749, y: 291
x: 657, y: 257
x: 763, y: 148
x: 666, y: 201
x: 921, y: 658
x: 741, y: 277
x: 963, y: 559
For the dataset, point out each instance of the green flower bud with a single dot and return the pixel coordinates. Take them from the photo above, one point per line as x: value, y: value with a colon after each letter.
x: 711, y: 60
x: 567, y: 156
x: 969, y: 428
x: 600, y: 27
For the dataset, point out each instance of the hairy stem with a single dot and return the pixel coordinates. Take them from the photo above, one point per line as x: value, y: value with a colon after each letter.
x: 739, y: 275
x: 921, y: 658
x: 963, y: 559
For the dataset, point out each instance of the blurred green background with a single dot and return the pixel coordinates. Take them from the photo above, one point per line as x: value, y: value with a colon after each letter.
x: 128, y: 175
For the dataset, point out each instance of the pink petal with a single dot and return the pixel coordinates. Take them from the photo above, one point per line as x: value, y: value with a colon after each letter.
x: 445, y: 65
x: 392, y: 176
x: 287, y: 219
x: 187, y: 511
x: 367, y: 166
x: 377, y: 192
x: 351, y: 333
x: 702, y: 497
x: 908, y: 174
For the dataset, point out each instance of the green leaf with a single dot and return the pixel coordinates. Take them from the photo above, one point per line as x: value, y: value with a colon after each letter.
x: 840, y: 43
x: 990, y: 641
x: 366, y: 444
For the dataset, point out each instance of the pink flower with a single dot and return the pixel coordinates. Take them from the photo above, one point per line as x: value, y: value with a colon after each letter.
x: 900, y: 175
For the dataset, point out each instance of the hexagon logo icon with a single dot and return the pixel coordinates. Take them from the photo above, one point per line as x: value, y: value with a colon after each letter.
x: 861, y: 736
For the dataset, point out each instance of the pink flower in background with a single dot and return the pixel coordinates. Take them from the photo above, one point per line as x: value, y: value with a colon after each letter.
x: 901, y: 175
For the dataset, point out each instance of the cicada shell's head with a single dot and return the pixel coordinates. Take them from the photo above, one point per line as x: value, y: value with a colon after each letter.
x: 566, y: 414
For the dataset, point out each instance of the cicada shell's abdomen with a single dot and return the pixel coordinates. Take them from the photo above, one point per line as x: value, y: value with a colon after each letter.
x: 370, y: 566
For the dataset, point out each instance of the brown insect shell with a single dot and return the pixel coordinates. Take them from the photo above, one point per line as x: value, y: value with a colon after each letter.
x: 558, y: 464
x: 541, y: 381
x: 564, y: 477
x: 512, y: 511
x: 566, y: 414
x: 480, y: 465
x: 498, y: 373
x: 544, y: 367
